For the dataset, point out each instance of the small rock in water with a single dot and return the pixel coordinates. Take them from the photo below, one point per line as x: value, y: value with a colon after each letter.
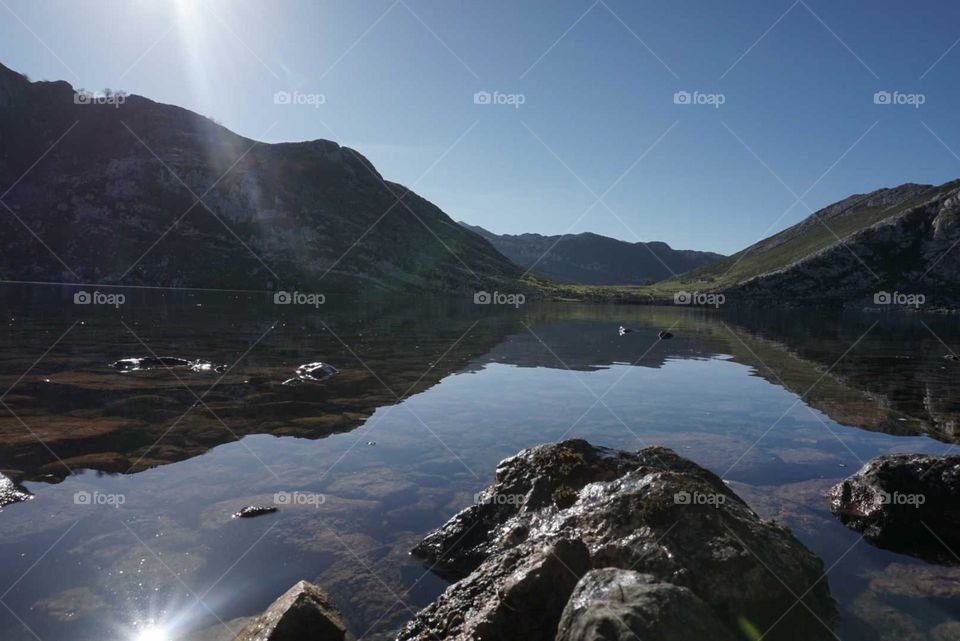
x: 905, y: 503
x: 254, y: 510
x: 156, y: 362
x: 312, y: 372
x: 664, y: 335
x: 952, y: 357
x: 624, y: 330
x: 10, y: 493
x: 371, y: 442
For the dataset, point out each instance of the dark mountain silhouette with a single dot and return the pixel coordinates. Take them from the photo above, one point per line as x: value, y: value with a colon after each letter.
x: 105, y: 189
x: 591, y: 259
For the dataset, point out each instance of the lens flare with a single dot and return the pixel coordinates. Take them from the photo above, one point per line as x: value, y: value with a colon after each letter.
x: 152, y: 633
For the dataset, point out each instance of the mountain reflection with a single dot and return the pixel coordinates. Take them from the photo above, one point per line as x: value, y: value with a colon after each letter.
x: 69, y: 410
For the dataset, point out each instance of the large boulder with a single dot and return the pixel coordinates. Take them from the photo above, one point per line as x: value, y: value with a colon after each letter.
x: 518, y: 595
x: 907, y: 503
x: 524, y: 484
x: 303, y: 613
x: 651, y: 511
x: 623, y: 605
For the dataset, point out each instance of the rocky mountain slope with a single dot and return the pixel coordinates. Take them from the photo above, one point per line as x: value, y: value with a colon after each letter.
x: 126, y: 190
x: 877, y: 248
x: 591, y: 259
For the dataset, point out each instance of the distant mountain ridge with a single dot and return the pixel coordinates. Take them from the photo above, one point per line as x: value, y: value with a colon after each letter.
x: 592, y: 259
x: 106, y: 191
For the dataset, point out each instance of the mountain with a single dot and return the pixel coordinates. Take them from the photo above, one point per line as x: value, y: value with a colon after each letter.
x: 121, y: 189
x: 895, y: 241
x: 591, y: 259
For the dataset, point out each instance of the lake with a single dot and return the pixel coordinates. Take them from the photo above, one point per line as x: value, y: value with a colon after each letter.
x: 135, y: 475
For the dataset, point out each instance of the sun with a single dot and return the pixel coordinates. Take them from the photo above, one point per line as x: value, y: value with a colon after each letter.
x: 152, y: 633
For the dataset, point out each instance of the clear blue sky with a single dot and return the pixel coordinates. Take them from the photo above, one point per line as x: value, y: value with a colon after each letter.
x: 398, y: 80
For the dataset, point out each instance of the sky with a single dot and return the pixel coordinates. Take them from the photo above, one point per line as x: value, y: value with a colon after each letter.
x: 707, y: 125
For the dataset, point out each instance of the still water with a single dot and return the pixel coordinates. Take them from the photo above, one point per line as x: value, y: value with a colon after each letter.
x: 135, y: 474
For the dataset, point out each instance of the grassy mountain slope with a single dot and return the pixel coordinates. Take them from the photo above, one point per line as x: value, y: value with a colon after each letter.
x: 903, y: 239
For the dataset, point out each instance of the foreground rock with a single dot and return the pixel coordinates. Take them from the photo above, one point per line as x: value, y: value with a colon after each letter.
x: 706, y: 561
x: 624, y: 605
x: 10, y: 493
x: 908, y: 503
x: 303, y: 613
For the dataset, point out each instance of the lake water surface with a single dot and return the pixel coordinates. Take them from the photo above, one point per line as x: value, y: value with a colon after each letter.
x: 135, y: 475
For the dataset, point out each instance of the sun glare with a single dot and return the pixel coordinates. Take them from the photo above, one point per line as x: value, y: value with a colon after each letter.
x: 152, y: 633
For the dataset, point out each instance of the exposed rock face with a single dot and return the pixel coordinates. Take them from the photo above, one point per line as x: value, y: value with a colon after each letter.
x: 908, y: 251
x: 518, y: 595
x: 650, y: 511
x: 623, y: 605
x: 10, y: 493
x: 303, y: 613
x: 905, y: 503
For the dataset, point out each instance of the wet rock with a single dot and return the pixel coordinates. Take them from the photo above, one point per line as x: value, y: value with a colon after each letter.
x: 312, y: 372
x: 254, y: 510
x: 651, y: 511
x: 148, y: 362
x: 623, y: 605
x: 664, y: 335
x: 525, y: 484
x: 303, y: 613
x: 10, y: 493
x: 908, y: 503
x: 156, y: 362
x: 517, y: 595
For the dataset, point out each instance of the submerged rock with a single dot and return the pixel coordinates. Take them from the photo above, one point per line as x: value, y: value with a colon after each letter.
x: 303, y: 613
x: 907, y: 503
x: 623, y: 605
x: 254, y: 510
x: 155, y: 362
x: 312, y: 372
x: 651, y: 511
x: 10, y: 493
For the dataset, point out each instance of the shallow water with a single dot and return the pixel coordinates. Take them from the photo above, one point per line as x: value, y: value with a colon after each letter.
x: 136, y: 474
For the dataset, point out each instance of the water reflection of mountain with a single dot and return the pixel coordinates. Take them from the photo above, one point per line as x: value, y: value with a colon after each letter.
x: 71, y: 411
x: 892, y: 378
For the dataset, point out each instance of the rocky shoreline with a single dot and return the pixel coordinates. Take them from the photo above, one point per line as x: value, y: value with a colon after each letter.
x: 574, y: 542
